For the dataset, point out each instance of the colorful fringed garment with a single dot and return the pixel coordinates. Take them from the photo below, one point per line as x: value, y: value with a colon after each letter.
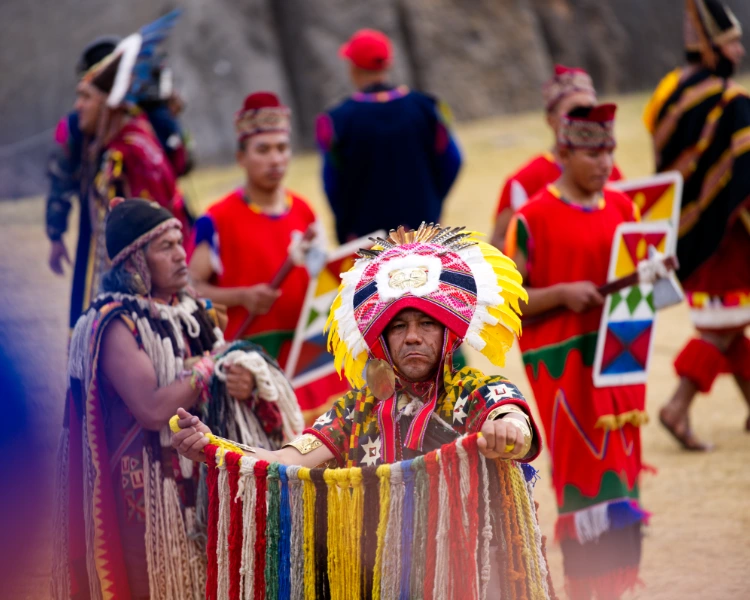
x: 131, y: 514
x: 446, y: 525
x: 592, y: 433
x: 700, y: 123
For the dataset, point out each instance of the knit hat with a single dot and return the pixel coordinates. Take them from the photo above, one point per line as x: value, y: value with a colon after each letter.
x: 133, y: 223
x: 588, y: 128
x: 262, y: 112
x: 368, y: 49
x: 566, y: 81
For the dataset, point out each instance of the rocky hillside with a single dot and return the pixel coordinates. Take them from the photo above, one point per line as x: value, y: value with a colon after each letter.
x: 484, y: 57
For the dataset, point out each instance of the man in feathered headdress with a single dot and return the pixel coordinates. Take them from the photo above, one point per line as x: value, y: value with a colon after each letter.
x: 567, y: 89
x: 130, y: 515
x: 700, y: 122
x: 109, y: 149
x: 401, y: 312
x: 561, y: 243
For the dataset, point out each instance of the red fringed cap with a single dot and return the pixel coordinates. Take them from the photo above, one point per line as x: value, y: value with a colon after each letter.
x: 262, y: 112
x: 589, y: 129
x: 566, y: 81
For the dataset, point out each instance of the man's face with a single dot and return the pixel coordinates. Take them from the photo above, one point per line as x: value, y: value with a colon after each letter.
x: 564, y: 106
x: 734, y: 51
x: 265, y: 159
x: 166, y: 260
x: 89, y: 104
x: 415, y: 342
x: 588, y: 169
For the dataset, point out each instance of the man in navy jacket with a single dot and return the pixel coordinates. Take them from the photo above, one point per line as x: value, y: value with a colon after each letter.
x: 389, y: 156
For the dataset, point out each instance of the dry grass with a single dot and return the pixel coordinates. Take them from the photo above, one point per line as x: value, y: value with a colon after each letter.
x: 698, y: 544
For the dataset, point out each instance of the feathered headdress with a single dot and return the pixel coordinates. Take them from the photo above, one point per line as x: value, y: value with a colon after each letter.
x: 127, y: 72
x: 467, y: 285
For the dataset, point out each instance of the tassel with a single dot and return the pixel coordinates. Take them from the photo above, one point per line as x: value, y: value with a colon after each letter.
x: 235, y: 524
x: 407, y: 529
x: 285, y: 530
x: 384, y: 474
x: 308, y: 546
x: 336, y: 570
x: 212, y: 480
x: 297, y: 549
x: 432, y: 466
x: 392, y: 556
x: 322, y: 585
x: 261, y: 486
x: 273, y: 531
x: 419, y: 543
x: 356, y: 524
x: 369, y: 545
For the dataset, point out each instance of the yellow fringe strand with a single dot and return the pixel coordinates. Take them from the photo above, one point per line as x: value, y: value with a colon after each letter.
x: 384, y: 474
x: 308, y: 536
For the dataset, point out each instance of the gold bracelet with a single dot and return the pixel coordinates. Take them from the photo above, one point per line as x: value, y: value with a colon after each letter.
x: 305, y: 443
x: 527, y: 437
x: 499, y: 411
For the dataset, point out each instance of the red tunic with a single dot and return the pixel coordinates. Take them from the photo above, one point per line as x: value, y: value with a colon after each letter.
x: 252, y: 246
x: 592, y: 433
x: 564, y: 243
x: 530, y: 179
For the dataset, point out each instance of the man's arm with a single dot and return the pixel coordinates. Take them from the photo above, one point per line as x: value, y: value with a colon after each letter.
x: 257, y: 299
x: 578, y: 296
x: 130, y: 371
x: 61, y: 172
x: 191, y: 440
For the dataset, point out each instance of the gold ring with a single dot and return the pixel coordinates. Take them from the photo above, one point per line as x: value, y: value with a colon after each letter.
x: 509, y: 447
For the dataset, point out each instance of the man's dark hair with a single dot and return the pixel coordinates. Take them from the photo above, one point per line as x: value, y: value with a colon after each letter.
x: 95, y: 51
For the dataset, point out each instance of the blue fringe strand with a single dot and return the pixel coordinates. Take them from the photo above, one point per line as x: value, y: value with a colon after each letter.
x: 285, y: 518
x: 407, y: 531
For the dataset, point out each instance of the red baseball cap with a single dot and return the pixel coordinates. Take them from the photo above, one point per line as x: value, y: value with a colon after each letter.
x: 368, y: 49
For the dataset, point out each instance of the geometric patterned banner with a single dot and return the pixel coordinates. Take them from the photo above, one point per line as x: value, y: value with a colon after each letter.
x: 309, y: 359
x: 659, y: 198
x: 624, y: 343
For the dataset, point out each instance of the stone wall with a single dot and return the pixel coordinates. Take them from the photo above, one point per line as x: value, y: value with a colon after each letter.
x: 483, y: 57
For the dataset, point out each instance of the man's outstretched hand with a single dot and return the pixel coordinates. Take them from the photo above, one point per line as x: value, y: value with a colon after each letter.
x: 500, y: 439
x: 191, y: 439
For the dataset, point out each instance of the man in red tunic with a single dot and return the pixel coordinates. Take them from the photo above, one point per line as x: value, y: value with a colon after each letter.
x: 569, y: 88
x: 244, y: 239
x: 561, y: 242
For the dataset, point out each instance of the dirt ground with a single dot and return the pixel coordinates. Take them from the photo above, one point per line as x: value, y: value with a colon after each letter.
x: 698, y: 543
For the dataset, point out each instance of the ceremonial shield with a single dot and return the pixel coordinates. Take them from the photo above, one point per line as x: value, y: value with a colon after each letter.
x: 659, y: 198
x: 623, y: 348
x: 309, y: 359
